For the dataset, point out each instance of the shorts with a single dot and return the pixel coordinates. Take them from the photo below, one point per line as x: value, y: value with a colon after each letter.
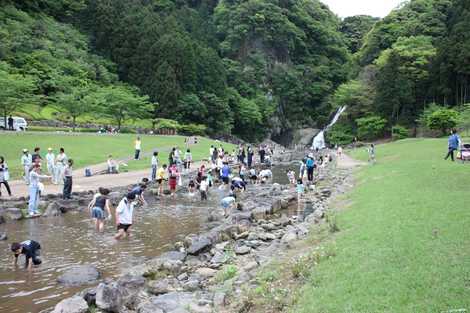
x: 225, y: 180
x: 253, y: 177
x: 125, y: 227
x: 203, y: 195
x: 160, y: 181
x: 97, y: 213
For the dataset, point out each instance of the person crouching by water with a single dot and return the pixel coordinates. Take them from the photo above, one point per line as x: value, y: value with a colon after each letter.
x: 67, y: 192
x: 97, y: 206
x: 31, y: 249
x: 124, y: 215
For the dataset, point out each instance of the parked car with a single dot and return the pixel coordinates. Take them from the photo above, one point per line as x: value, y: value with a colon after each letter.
x: 19, y: 123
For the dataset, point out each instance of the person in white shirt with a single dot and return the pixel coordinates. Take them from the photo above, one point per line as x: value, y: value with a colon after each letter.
x: 124, y: 216
x: 113, y: 166
x: 188, y: 159
x: 50, y: 160
x: 138, y: 147
x: 26, y: 162
x: 265, y: 174
x: 154, y: 163
x: 203, y: 186
x: 34, y: 181
x: 60, y: 163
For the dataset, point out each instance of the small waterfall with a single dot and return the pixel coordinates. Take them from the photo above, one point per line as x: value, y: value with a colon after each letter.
x: 319, y: 140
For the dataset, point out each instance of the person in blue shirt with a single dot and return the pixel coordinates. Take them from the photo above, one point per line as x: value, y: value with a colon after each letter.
x: 225, y: 173
x: 453, y: 145
x: 310, y: 163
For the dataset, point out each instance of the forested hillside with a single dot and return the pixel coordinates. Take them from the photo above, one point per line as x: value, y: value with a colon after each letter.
x: 250, y: 68
x: 413, y: 71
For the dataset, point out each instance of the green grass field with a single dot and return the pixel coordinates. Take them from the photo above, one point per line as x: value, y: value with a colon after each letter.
x: 89, y: 149
x: 404, y: 242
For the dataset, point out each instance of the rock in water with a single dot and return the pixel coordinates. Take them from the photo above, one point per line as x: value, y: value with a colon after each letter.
x: 79, y: 275
x: 3, y: 236
x: 198, y: 245
x: 242, y: 250
x: 13, y: 214
x: 74, y: 304
x: 109, y: 297
x: 53, y: 209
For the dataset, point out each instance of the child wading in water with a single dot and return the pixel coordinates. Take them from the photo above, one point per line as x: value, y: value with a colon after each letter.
x: 203, y: 186
x: 124, y: 216
x: 97, y: 207
x: 300, y: 189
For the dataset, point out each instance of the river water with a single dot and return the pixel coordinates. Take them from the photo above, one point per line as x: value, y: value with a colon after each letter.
x: 71, y: 239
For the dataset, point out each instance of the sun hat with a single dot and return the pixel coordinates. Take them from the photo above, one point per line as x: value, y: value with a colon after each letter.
x: 25, y: 150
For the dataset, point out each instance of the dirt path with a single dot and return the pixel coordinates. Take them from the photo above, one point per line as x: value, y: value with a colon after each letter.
x: 346, y: 162
x: 82, y: 183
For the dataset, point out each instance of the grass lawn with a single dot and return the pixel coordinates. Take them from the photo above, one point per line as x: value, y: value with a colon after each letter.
x: 89, y: 149
x: 404, y: 243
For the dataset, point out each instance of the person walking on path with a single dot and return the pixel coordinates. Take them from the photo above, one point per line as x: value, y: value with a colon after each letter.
x: 67, y: 193
x: 154, y: 164
x: 250, y: 156
x: 453, y: 145
x: 34, y: 180
x: 310, y: 164
x: 138, y: 147
x: 26, y: 162
x: 371, y: 152
x: 60, y: 163
x: 98, y: 206
x: 50, y: 160
x: 4, y: 176
x: 124, y: 216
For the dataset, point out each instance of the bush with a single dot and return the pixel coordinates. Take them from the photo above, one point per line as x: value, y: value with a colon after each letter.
x: 399, y: 132
x: 163, y: 123
x: 340, y: 134
x: 443, y: 120
x: 370, y: 127
x: 193, y: 129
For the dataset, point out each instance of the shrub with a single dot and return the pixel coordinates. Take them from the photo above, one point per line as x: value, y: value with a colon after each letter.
x: 340, y: 134
x: 228, y: 272
x: 193, y: 129
x: 370, y: 127
x: 443, y: 120
x: 399, y: 132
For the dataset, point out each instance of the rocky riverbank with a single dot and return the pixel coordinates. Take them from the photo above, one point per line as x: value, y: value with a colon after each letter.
x: 208, y: 272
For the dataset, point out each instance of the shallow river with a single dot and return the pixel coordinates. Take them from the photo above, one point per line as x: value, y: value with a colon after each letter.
x: 71, y: 239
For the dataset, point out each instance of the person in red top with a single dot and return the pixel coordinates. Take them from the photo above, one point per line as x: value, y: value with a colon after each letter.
x: 174, y: 174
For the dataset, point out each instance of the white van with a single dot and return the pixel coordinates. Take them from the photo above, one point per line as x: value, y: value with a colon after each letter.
x: 19, y: 123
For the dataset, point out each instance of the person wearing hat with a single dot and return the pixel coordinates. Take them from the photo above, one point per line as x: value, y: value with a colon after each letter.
x: 60, y: 163
x: 26, y: 162
x: 50, y: 159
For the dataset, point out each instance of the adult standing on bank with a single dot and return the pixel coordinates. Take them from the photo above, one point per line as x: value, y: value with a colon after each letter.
x: 4, y: 176
x: 453, y: 144
x: 50, y: 159
x: 26, y: 162
x: 67, y: 193
x: 60, y: 163
x: 154, y: 163
x: 310, y: 163
x: 10, y: 123
x: 34, y: 179
x: 36, y: 157
x: 188, y: 159
x: 138, y: 147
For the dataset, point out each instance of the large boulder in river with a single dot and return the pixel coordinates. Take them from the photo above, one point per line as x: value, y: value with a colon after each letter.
x: 175, y: 301
x: 53, y: 209
x: 79, y: 275
x: 113, y: 296
x: 13, y: 214
x: 74, y: 304
x: 198, y: 244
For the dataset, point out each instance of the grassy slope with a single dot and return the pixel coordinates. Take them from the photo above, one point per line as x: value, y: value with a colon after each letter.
x: 404, y: 245
x: 88, y: 149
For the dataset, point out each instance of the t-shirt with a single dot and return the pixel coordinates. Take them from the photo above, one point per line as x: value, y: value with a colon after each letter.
x: 137, y: 190
x: 50, y: 157
x: 300, y: 188
x: 100, y: 202
x: 154, y: 160
x: 30, y: 248
x: 138, y: 144
x: 35, y: 157
x: 227, y: 201
x: 252, y: 172
x: 225, y: 171
x: 310, y: 162
x: 125, y: 211
x: 203, y: 185
x: 266, y: 173
x: 161, y: 173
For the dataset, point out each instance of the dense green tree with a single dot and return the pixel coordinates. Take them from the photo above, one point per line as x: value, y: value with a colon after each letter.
x: 355, y: 28
x: 76, y: 102
x: 443, y: 120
